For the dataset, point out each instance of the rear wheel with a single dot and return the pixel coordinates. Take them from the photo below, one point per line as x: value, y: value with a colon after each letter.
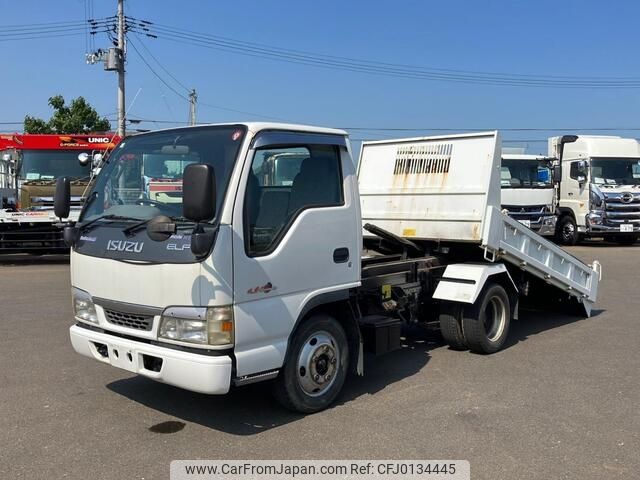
x: 486, y: 323
x: 625, y: 239
x: 451, y: 326
x: 316, y: 365
x: 567, y: 231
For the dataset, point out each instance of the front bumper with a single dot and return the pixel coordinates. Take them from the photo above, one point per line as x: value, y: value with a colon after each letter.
x: 548, y: 227
x: 191, y: 371
x: 601, y: 227
x: 613, y: 230
x: 544, y: 226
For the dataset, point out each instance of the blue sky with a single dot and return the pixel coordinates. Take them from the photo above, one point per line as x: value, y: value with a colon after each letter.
x: 544, y: 37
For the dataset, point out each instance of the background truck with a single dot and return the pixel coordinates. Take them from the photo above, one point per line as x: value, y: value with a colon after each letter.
x: 528, y: 192
x: 29, y: 168
x: 599, y: 188
x: 290, y: 277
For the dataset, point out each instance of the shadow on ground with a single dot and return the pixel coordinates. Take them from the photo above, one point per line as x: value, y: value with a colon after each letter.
x: 17, y: 259
x: 599, y: 243
x: 532, y: 322
x: 251, y: 409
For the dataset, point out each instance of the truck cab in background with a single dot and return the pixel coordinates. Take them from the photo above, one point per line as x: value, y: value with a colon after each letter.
x: 30, y: 164
x: 528, y: 193
x: 598, y: 188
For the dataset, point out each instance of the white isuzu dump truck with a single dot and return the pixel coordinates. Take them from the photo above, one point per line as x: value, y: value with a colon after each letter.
x: 258, y: 275
x: 598, y: 187
x: 528, y: 192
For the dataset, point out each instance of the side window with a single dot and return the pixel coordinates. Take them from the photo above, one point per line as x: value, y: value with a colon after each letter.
x: 578, y: 171
x: 574, y: 172
x: 283, y: 182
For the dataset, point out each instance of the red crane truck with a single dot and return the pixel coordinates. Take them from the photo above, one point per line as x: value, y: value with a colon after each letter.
x: 30, y: 164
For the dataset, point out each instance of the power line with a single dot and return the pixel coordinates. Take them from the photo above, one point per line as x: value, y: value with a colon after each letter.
x: 378, y: 68
x: 203, y: 104
x: 144, y: 60
x: 161, y: 66
x: 233, y: 110
x: 41, y: 37
x: 148, y: 25
x: 41, y: 25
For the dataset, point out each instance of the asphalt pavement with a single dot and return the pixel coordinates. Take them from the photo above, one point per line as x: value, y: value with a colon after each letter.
x: 561, y: 401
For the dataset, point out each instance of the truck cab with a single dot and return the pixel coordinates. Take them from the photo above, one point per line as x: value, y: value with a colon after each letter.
x: 275, y: 189
x: 30, y: 165
x: 528, y: 193
x: 599, y: 188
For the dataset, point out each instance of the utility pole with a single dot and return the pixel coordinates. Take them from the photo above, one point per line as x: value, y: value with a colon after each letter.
x: 193, y: 98
x: 121, y: 51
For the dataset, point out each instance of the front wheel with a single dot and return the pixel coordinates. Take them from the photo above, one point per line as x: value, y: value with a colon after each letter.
x: 486, y: 323
x: 567, y: 231
x: 316, y: 365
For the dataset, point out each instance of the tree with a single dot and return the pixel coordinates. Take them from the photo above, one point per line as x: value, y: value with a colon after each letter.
x: 79, y: 117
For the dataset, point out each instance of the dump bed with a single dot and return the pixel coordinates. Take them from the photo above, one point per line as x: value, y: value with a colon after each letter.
x: 433, y: 188
x: 447, y: 188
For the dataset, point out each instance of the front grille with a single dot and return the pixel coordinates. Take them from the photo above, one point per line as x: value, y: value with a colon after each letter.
x: 46, y: 203
x: 130, y: 320
x: 533, y: 213
x: 622, y: 208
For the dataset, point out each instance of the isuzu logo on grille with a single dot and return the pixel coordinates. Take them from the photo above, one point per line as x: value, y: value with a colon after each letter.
x: 626, y: 197
x: 124, y: 246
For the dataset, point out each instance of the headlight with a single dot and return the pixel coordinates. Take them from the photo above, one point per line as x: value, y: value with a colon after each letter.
x: 594, y: 218
x: 596, y: 199
x: 83, y: 307
x: 201, y: 325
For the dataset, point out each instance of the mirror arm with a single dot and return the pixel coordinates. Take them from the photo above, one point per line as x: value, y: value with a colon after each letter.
x: 202, y: 241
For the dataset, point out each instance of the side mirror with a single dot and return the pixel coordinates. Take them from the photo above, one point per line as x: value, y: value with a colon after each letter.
x: 62, y: 199
x: 199, y: 192
x: 582, y: 166
x: 557, y: 173
x: 83, y: 159
x: 97, y: 160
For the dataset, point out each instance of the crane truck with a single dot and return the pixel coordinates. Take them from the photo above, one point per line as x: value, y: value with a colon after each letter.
x: 30, y: 164
x: 251, y: 277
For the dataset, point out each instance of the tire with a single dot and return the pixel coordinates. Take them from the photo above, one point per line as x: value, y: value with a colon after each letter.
x: 485, y: 324
x: 317, y: 350
x: 567, y: 231
x: 451, y: 326
x: 625, y: 239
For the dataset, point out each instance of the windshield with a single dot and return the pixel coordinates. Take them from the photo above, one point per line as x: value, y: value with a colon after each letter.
x: 143, y: 176
x: 51, y: 164
x: 615, y: 171
x: 525, y: 174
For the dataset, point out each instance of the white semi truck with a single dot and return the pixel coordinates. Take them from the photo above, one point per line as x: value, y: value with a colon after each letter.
x: 599, y: 188
x: 528, y: 192
x: 252, y: 277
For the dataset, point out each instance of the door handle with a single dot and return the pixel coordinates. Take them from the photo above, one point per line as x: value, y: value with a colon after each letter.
x: 341, y: 255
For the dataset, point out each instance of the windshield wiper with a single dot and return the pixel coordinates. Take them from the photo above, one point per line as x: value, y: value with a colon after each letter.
x: 93, y: 222
x: 132, y: 228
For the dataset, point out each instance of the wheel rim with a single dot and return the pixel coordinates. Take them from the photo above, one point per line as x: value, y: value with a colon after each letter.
x: 318, y: 363
x: 495, y: 318
x: 568, y: 231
